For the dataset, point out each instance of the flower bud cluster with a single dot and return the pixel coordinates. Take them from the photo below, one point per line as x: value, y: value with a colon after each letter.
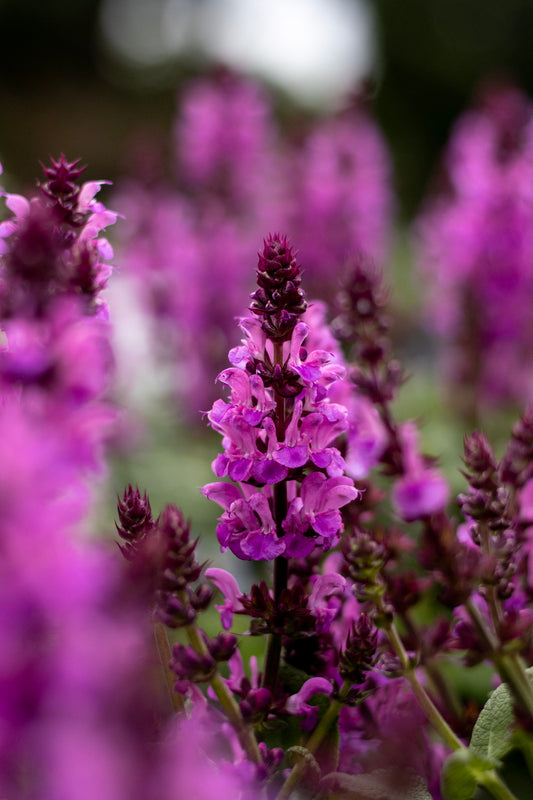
x: 362, y: 325
x: 191, y: 666
x: 359, y: 655
x: 279, y: 301
x: 162, y: 556
x: 53, y: 247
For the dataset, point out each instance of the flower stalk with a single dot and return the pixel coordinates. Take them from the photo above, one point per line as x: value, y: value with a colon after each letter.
x: 227, y: 701
x: 163, y: 651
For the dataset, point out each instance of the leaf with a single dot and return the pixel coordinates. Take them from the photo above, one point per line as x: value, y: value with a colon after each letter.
x: 382, y: 784
x: 461, y: 774
x: 492, y: 734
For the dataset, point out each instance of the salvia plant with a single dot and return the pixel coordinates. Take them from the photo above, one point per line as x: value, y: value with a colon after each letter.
x: 341, y: 672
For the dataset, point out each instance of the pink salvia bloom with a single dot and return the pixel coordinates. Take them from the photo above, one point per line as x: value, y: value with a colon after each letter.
x: 421, y: 490
x: 298, y: 704
x: 226, y: 583
x: 344, y: 200
x: 261, y: 452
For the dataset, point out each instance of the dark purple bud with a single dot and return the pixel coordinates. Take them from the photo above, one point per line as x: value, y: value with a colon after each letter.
x: 405, y: 589
x: 201, y: 597
x: 517, y: 462
x: 61, y: 189
x: 481, y: 467
x: 135, y: 515
x: 256, y: 704
x: 437, y: 638
x: 192, y: 666
x: 33, y: 263
x: 174, y: 612
x: 181, y: 567
x: 466, y: 638
x: 359, y: 654
x: 279, y: 301
x: 272, y: 757
x: 222, y: 646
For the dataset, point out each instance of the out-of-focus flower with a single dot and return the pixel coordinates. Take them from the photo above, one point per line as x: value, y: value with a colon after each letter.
x: 421, y: 490
x: 190, y: 241
x: 475, y: 249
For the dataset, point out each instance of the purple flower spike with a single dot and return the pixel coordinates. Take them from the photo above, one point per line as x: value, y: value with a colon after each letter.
x: 475, y: 251
x: 280, y: 428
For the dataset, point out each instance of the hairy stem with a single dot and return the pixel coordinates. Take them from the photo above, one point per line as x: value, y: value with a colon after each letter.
x: 510, y: 667
x: 163, y: 650
x: 447, y: 694
x: 227, y: 701
x: 426, y: 703
x: 490, y: 780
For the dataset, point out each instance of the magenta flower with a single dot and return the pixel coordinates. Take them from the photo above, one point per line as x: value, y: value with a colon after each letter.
x: 421, y: 490
x: 344, y: 199
x: 298, y: 705
x: 317, y: 507
x: 262, y: 448
x: 247, y: 527
x: 475, y: 250
x: 226, y: 583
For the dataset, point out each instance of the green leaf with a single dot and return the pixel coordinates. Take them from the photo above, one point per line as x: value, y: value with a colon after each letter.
x: 493, y: 731
x: 461, y: 774
x: 382, y: 784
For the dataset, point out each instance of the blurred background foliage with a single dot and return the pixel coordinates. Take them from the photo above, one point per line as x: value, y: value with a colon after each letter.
x: 85, y: 77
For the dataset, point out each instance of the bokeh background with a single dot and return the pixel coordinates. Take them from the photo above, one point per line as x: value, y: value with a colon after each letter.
x: 81, y: 76
x: 92, y: 78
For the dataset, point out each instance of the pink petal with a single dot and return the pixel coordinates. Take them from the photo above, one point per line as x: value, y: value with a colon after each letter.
x: 222, y: 493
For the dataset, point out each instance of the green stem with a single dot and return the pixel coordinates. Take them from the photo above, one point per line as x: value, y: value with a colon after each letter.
x: 431, y: 711
x: 163, y: 650
x: 492, y: 782
x: 522, y: 741
x: 447, y: 694
x: 314, y: 741
x: 489, y: 780
x: 509, y: 665
x: 227, y: 701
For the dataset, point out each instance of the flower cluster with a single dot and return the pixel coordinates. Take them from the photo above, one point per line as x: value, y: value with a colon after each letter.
x: 280, y: 427
x: 475, y: 250
x: 73, y: 651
